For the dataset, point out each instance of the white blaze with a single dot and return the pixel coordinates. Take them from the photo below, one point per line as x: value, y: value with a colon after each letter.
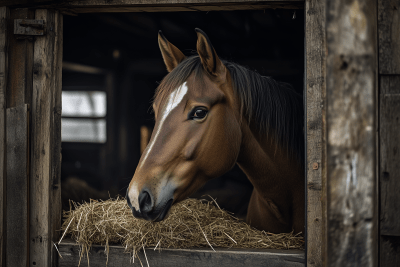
x: 174, y: 99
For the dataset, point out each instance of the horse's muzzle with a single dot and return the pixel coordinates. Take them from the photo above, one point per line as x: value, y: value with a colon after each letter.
x: 147, y: 210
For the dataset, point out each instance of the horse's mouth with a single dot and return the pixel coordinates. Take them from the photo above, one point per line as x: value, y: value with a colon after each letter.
x: 156, y: 215
x: 164, y: 211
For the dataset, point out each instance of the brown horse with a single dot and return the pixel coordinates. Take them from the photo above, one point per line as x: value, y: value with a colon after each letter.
x: 211, y: 114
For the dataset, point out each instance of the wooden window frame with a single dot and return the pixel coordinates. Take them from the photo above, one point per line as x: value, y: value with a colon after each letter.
x: 319, y: 82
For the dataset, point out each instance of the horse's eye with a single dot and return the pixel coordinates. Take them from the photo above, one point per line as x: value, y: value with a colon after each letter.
x: 198, y: 113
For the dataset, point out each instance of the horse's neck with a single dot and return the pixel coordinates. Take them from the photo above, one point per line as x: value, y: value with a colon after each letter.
x: 277, y: 202
x: 267, y: 165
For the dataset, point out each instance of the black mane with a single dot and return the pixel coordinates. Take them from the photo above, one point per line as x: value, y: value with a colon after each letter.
x: 273, y: 106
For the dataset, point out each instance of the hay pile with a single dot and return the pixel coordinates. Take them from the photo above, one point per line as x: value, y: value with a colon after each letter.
x: 191, y: 223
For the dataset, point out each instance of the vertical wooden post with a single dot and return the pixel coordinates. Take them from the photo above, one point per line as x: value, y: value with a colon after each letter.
x: 350, y: 117
x: 389, y: 170
x: 18, y: 97
x: 55, y: 198
x: 17, y: 187
x: 315, y: 125
x: 4, y: 15
x: 45, y: 201
x: 389, y: 131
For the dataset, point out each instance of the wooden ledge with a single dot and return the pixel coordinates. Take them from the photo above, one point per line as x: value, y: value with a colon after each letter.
x: 196, y: 257
x: 94, y: 6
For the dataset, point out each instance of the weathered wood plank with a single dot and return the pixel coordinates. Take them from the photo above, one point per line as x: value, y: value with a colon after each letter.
x: 351, y: 177
x: 23, y: 2
x: 181, y: 257
x: 315, y: 103
x: 99, y: 3
x: 17, y: 220
x: 55, y: 195
x: 390, y: 155
x: 70, y: 66
x: 4, y: 14
x: 181, y: 7
x: 20, y: 53
x: 389, y: 36
x: 45, y: 184
x: 19, y: 87
x: 389, y: 176
x: 390, y: 251
x: 119, y: 5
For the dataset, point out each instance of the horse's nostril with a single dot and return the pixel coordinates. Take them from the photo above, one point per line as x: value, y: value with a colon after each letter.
x: 145, y: 201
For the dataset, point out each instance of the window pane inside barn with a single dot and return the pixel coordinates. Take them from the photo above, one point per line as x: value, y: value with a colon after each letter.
x: 117, y: 58
x: 88, y: 104
x: 84, y: 104
x: 83, y: 130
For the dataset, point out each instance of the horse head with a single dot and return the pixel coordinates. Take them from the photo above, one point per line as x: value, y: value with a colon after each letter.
x: 197, y: 134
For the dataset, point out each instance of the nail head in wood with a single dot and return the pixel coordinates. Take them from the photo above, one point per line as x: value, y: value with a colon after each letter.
x: 315, y: 165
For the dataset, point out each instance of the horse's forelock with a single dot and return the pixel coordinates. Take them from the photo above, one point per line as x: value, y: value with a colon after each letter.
x: 177, y: 77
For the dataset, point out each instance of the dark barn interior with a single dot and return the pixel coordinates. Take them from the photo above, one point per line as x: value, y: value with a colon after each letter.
x: 123, y: 47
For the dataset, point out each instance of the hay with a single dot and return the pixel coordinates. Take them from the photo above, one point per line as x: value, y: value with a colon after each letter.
x: 191, y: 223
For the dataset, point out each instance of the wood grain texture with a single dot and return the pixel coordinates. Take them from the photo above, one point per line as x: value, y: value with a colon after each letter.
x: 17, y: 210
x: 350, y: 118
x: 390, y: 251
x: 24, y: 2
x: 135, y: 3
x: 315, y: 95
x: 390, y: 155
x: 94, y: 6
x: 153, y: 7
x: 4, y: 14
x: 181, y: 257
x: 20, y: 53
x: 389, y: 36
x: 45, y: 152
x: 55, y: 190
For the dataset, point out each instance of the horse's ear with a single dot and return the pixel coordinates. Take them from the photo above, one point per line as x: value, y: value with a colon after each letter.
x: 171, y: 54
x: 208, y: 56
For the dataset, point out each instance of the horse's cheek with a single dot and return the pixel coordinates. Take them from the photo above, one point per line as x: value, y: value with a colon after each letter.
x: 221, y: 147
x: 233, y: 143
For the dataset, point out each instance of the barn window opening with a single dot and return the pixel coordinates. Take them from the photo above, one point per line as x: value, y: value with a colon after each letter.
x: 83, y: 116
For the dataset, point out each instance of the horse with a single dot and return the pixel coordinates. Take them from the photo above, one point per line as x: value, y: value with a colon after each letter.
x: 209, y: 115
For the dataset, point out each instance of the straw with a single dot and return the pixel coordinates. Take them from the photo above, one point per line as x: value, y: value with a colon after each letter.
x: 191, y: 223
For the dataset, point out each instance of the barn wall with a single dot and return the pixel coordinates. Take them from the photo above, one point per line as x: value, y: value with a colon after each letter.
x: 30, y: 151
x: 350, y: 155
x: 351, y: 86
x: 18, y: 99
x: 389, y: 131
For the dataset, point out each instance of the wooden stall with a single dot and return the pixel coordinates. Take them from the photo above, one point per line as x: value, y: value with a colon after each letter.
x: 351, y: 91
x: 388, y: 115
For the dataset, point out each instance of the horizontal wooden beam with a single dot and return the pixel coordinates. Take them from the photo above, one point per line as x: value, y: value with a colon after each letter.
x: 70, y: 66
x: 196, y: 257
x: 93, y: 6
x: 24, y: 2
